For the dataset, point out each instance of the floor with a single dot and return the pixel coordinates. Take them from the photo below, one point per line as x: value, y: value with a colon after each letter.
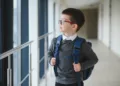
x: 106, y: 72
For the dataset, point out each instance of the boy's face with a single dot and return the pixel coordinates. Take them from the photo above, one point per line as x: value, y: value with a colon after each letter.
x: 66, y: 25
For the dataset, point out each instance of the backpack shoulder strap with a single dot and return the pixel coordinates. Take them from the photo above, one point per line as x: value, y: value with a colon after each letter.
x: 76, y: 49
x: 56, y: 53
x: 59, y: 38
x: 76, y: 56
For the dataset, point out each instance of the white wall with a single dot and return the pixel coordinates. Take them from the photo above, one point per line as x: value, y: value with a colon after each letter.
x: 100, y: 19
x: 109, y: 33
x: 104, y: 22
x: 115, y: 26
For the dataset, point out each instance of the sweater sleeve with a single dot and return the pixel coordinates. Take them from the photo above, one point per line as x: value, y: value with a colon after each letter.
x: 89, y: 56
x: 51, y: 49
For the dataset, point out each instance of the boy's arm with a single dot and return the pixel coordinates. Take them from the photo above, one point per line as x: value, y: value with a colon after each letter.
x: 51, y: 50
x: 89, y: 56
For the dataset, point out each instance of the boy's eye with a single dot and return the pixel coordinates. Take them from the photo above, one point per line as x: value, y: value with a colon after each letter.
x: 61, y: 22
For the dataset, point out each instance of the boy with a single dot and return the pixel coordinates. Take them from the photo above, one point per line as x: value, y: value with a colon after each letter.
x: 71, y: 21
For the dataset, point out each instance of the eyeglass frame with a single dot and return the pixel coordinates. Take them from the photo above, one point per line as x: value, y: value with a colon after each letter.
x: 62, y: 21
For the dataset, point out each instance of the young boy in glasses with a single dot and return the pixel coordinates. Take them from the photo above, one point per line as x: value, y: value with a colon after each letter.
x: 71, y: 21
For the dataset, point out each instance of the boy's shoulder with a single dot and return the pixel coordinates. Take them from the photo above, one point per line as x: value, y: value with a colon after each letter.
x: 85, y: 42
x: 81, y: 39
x: 55, y: 38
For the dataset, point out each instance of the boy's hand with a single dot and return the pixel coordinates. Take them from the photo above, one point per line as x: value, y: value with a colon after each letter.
x: 77, y: 67
x: 53, y: 61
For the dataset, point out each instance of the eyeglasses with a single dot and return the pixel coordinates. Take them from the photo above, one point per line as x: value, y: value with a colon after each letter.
x: 62, y: 22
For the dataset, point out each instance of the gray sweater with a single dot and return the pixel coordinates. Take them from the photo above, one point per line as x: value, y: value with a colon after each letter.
x: 66, y: 73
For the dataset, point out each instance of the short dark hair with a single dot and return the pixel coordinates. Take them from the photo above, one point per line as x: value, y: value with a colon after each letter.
x: 77, y: 16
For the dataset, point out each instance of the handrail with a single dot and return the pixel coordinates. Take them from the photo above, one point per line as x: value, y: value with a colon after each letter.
x: 9, y: 52
x: 4, y: 55
x: 43, y: 36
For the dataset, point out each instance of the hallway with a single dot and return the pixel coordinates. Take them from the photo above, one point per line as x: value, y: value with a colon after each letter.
x: 27, y: 28
x: 106, y: 72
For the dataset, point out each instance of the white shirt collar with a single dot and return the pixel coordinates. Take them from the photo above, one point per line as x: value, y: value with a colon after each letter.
x: 70, y: 37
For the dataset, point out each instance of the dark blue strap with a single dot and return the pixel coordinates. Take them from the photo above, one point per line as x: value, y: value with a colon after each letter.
x: 56, y: 54
x: 76, y: 56
x: 76, y: 49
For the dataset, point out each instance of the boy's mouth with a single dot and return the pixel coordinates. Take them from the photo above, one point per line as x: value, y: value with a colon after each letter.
x: 60, y: 28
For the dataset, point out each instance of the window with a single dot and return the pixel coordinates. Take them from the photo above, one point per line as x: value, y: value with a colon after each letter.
x: 24, y: 39
x: 21, y: 36
x: 43, y: 28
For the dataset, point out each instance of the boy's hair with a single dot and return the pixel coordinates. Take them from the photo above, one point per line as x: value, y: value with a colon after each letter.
x: 76, y: 16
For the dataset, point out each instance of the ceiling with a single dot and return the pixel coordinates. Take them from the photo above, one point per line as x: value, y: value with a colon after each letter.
x: 82, y: 3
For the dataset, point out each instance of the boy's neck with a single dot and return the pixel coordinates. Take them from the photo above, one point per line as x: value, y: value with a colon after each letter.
x: 69, y: 34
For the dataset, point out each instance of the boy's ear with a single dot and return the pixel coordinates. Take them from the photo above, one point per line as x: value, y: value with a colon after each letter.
x: 75, y: 26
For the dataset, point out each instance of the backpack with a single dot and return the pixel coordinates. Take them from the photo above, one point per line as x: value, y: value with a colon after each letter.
x: 76, y: 55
